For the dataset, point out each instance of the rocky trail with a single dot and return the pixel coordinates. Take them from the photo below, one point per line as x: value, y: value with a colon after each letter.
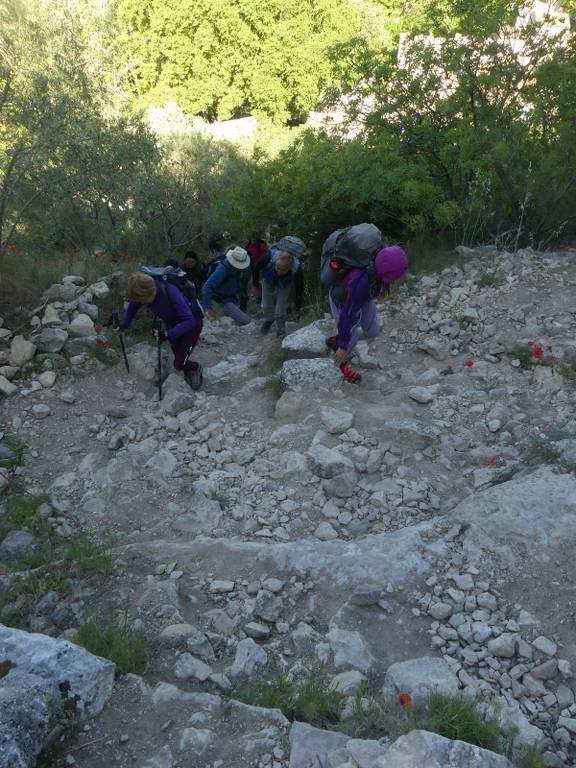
x: 413, y: 533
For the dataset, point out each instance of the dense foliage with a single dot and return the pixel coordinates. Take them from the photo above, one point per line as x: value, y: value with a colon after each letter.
x: 464, y: 139
x: 224, y: 58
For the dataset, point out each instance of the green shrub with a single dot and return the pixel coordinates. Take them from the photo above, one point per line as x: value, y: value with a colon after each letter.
x: 127, y: 648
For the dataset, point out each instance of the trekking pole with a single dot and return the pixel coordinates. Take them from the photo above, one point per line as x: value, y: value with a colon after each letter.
x: 158, y: 326
x: 115, y: 321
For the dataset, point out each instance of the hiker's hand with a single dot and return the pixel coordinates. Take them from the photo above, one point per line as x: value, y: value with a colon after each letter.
x: 159, y: 335
x: 341, y: 356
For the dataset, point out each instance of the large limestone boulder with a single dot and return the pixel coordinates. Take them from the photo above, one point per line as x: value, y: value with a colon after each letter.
x: 21, y: 351
x: 422, y: 749
x: 307, y: 342
x: 81, y: 677
x: 419, y: 677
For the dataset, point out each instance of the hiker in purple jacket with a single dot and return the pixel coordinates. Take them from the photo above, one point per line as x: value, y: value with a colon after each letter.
x: 183, y: 328
x: 357, y: 314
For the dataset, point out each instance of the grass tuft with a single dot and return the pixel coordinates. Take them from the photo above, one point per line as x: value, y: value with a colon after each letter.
x: 90, y: 558
x: 127, y: 648
x: 311, y: 700
x: 459, y: 719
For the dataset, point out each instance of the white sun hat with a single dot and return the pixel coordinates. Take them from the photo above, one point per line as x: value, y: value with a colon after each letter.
x: 238, y: 258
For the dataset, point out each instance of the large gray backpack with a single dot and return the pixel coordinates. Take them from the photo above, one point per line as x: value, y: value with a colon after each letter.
x: 350, y: 248
x: 292, y: 245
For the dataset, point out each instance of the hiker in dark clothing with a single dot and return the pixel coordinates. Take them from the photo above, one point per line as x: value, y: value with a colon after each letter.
x: 194, y: 270
x: 216, y: 243
x: 257, y: 249
x: 183, y: 327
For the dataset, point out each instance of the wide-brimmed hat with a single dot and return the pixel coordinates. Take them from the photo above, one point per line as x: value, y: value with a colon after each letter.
x: 238, y: 258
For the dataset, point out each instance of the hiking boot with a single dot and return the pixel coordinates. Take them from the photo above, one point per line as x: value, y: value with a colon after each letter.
x: 332, y: 343
x: 265, y: 327
x: 350, y: 375
x: 194, y: 377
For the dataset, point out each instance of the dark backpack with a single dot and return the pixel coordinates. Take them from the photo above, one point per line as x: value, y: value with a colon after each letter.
x: 177, y: 277
x: 212, y: 267
x: 350, y: 248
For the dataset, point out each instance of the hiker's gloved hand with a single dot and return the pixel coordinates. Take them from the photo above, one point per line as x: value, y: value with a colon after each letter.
x: 159, y: 335
x: 341, y: 356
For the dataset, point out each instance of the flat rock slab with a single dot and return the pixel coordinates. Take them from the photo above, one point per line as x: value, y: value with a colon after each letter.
x: 296, y: 373
x: 388, y: 557
x: 309, y: 746
x: 422, y: 749
x: 512, y: 513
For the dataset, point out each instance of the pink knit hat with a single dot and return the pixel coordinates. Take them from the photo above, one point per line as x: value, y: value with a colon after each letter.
x: 391, y: 264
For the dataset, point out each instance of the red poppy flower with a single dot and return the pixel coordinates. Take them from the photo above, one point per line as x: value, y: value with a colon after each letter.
x: 99, y: 341
x: 108, y: 344
x: 468, y: 363
x: 428, y: 297
x: 405, y: 700
x: 530, y: 342
x: 537, y: 352
x: 490, y: 460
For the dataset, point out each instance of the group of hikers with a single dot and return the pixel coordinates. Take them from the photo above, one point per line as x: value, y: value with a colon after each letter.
x: 356, y: 267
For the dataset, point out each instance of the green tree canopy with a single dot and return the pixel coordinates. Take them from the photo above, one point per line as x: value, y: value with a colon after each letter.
x: 225, y: 58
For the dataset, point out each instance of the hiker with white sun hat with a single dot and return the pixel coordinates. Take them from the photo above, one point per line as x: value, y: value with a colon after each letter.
x: 227, y: 283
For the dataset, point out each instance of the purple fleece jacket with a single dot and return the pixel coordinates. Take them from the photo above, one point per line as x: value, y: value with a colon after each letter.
x: 357, y: 295
x: 175, y: 313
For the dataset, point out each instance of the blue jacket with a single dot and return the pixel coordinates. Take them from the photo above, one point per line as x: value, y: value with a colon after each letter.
x: 225, y: 284
x: 268, y: 272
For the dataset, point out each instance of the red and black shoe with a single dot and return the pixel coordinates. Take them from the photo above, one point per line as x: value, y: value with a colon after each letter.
x: 350, y: 375
x: 332, y: 343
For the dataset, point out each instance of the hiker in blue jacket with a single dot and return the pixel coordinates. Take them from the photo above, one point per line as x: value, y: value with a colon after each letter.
x: 226, y: 285
x: 279, y: 271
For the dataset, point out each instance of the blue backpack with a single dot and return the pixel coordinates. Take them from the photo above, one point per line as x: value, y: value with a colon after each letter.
x: 177, y: 277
